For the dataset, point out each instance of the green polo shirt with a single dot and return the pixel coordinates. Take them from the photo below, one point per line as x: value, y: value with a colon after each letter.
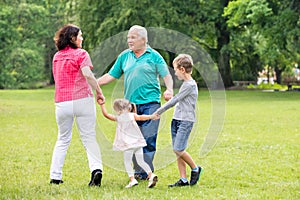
x: 141, y: 75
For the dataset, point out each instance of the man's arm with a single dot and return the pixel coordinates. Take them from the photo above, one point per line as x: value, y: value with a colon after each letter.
x: 168, y: 94
x: 105, y: 79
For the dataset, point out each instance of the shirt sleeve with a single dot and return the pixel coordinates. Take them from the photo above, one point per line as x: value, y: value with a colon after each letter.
x: 85, y: 60
x: 162, y: 67
x: 184, y: 92
x: 116, y: 70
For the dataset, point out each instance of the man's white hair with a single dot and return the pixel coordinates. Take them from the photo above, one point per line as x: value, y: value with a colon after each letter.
x: 141, y: 31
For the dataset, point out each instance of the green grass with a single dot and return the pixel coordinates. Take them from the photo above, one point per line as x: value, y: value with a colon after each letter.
x: 257, y: 154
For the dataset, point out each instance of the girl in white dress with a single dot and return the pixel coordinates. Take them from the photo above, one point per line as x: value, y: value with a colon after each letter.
x: 129, y: 138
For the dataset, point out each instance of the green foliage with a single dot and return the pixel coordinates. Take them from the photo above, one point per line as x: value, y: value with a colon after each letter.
x: 23, y: 64
x: 247, y: 12
x: 267, y: 86
x: 241, y: 36
x: 116, y: 17
x: 273, y: 26
x: 26, y: 33
x: 27, y: 66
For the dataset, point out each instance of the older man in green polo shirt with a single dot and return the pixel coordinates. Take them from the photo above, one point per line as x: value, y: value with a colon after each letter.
x: 142, y: 66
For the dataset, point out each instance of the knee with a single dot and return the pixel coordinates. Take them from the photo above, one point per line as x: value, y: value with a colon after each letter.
x: 178, y: 153
x: 64, y: 139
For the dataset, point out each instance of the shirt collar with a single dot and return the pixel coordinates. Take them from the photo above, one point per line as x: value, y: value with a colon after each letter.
x: 148, y: 50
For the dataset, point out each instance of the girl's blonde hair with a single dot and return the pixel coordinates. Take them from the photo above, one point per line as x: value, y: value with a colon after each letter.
x: 122, y: 105
x: 185, y: 61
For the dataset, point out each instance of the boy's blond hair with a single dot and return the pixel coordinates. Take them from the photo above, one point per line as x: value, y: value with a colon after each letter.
x: 185, y: 61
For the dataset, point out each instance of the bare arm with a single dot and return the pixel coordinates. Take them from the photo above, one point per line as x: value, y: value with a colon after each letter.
x: 105, y: 79
x: 145, y: 117
x: 106, y: 114
x: 88, y: 74
x: 168, y: 94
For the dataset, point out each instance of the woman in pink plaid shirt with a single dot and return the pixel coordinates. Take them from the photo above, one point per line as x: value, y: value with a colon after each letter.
x: 74, y: 99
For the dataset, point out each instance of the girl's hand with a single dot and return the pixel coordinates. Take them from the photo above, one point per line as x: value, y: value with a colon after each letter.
x: 154, y: 116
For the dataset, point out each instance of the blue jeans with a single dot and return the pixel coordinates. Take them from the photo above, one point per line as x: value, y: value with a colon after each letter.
x: 149, y: 130
x: 180, y: 131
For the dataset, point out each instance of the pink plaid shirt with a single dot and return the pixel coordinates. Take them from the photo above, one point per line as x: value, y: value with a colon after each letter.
x: 70, y: 84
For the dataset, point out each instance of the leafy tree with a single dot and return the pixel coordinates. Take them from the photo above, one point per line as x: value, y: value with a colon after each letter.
x: 57, y: 16
x: 275, y: 27
x: 241, y: 36
x: 26, y: 35
x: 21, y: 31
x: 244, y: 58
x: 110, y: 18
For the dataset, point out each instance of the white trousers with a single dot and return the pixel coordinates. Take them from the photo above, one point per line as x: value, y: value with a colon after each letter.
x: 84, y: 112
x: 138, y: 152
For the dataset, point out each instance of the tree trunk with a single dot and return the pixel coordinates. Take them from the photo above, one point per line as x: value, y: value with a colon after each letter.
x: 224, y: 68
x: 278, y: 72
x: 172, y: 72
x: 223, y: 59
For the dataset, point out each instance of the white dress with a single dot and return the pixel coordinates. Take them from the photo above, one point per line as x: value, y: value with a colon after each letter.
x: 128, y: 134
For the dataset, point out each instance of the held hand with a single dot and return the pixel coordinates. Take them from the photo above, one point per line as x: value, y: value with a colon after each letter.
x: 155, y: 116
x: 100, y: 98
x: 100, y: 102
x: 168, y: 94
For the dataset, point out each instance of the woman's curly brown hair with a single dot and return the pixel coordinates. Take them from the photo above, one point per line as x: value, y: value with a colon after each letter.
x: 66, y: 36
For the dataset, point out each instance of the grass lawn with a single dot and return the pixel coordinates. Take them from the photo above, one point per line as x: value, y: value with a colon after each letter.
x: 257, y: 154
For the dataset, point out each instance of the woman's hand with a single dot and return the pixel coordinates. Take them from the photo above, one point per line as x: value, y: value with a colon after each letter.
x: 100, y: 98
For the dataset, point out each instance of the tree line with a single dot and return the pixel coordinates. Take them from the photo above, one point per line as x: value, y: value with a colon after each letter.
x: 242, y: 36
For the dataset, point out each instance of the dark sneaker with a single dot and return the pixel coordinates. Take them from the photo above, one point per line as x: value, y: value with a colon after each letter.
x: 195, y: 176
x: 179, y: 183
x: 140, y: 177
x: 57, y: 182
x: 96, y: 178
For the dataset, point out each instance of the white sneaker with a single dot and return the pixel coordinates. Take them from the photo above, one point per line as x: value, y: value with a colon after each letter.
x: 152, y: 180
x: 132, y: 183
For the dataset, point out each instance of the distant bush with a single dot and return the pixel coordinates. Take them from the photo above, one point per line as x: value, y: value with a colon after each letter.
x: 267, y: 86
x: 24, y: 69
